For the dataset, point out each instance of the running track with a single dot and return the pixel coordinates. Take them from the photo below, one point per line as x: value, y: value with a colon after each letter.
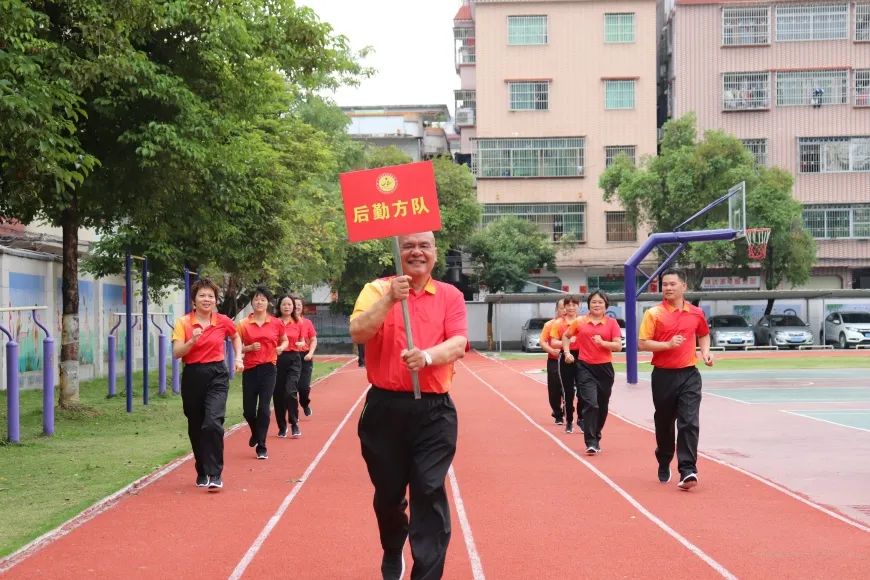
x: 531, y: 506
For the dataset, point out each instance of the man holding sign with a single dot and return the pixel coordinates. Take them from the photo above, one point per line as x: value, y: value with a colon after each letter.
x: 413, y: 329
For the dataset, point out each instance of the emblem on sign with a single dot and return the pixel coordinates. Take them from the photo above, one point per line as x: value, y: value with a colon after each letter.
x: 387, y: 183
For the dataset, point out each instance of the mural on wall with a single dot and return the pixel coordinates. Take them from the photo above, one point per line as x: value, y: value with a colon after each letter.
x: 87, y: 318
x: 854, y: 307
x: 753, y: 312
x: 26, y: 290
x: 114, y: 300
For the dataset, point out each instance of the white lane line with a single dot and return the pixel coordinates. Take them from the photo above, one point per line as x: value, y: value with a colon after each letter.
x: 711, y: 394
x: 820, y: 420
x: 719, y: 568
x: 473, y: 555
x: 273, y: 521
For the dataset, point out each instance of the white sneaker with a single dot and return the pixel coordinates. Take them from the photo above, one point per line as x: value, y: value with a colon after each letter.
x: 688, y: 482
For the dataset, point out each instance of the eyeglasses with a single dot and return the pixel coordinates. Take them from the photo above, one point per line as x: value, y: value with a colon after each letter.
x: 422, y: 246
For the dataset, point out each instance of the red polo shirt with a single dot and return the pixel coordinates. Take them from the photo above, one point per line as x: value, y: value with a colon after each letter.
x: 209, y: 347
x: 663, y: 322
x: 558, y: 330
x: 437, y: 313
x: 299, y: 332
x: 268, y: 334
x: 584, y: 328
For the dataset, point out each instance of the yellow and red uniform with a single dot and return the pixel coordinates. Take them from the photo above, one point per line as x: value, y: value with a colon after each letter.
x: 209, y: 347
x: 545, y: 336
x: 662, y: 322
x: 584, y: 328
x: 437, y: 313
x: 268, y: 334
x: 557, y: 331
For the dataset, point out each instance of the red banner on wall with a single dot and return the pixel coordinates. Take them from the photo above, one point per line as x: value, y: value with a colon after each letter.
x: 390, y: 201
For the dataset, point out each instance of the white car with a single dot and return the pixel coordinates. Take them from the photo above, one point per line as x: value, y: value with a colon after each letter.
x: 846, y: 329
x: 730, y: 331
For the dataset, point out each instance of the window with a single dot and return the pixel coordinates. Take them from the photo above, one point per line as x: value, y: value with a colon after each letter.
x: 619, y: 94
x: 530, y: 157
x: 862, y: 22
x: 526, y: 30
x: 745, y: 26
x: 619, y: 229
x: 557, y: 221
x: 862, y: 88
x: 619, y: 28
x: 745, y: 91
x: 758, y: 148
x: 834, y: 154
x: 816, y: 88
x: 812, y: 22
x: 838, y: 221
x: 467, y: 55
x: 613, y: 151
x: 529, y: 96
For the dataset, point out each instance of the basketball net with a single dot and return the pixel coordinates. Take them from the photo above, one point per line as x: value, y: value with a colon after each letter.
x: 756, y: 239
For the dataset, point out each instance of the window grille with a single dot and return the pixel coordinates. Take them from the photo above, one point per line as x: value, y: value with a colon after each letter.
x: 529, y: 96
x: 467, y: 55
x: 611, y: 152
x: 619, y: 94
x: 815, y: 88
x: 758, y: 148
x: 834, y: 154
x: 862, y: 22
x: 530, y: 157
x: 619, y: 28
x: 837, y: 221
x: 527, y: 30
x: 862, y: 88
x: 556, y: 220
x: 745, y: 25
x: 463, y: 32
x: 812, y: 22
x: 618, y: 228
x: 745, y: 91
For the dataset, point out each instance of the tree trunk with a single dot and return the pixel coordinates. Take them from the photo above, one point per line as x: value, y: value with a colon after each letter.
x: 69, y: 343
x: 489, y: 342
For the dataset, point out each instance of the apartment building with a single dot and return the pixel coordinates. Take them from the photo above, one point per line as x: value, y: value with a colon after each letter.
x: 790, y: 78
x: 551, y: 92
x: 412, y: 128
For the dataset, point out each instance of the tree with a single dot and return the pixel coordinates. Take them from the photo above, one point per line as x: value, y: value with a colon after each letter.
x: 687, y: 175
x: 150, y: 115
x: 504, y: 252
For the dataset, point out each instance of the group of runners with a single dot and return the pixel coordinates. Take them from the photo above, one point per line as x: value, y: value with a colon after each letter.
x: 275, y: 355
x: 579, y: 361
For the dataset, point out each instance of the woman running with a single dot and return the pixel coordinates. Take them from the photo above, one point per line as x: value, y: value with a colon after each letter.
x: 262, y: 339
x: 598, y: 337
x: 567, y: 372
x: 198, y: 339
x: 307, y: 344
x: 289, y: 370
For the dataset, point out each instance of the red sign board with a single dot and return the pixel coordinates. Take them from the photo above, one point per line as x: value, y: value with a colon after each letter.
x: 390, y: 201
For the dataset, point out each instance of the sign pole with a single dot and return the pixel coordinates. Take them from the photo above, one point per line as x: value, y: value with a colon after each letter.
x: 397, y: 258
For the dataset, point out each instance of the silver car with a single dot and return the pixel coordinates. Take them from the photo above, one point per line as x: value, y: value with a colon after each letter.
x: 846, y: 329
x: 530, y: 336
x: 782, y: 330
x: 730, y: 331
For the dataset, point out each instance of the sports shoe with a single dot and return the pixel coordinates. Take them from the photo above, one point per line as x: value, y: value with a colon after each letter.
x: 393, y: 565
x: 569, y: 428
x: 252, y: 442
x: 580, y: 426
x: 592, y: 450
x: 307, y: 410
x: 201, y: 480
x: 215, y: 483
x: 296, y: 433
x: 261, y: 454
x: 560, y: 421
x: 282, y: 433
x: 688, y: 482
x: 664, y: 473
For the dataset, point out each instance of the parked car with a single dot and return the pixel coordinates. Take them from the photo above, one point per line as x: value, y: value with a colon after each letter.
x: 846, y: 329
x: 621, y: 323
x: 730, y: 331
x: 530, y: 337
x: 782, y: 330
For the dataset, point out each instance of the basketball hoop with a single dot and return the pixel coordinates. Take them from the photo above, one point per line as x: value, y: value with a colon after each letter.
x: 756, y: 240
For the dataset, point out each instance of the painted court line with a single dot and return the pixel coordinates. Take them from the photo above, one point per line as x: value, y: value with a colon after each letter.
x: 471, y: 547
x: 820, y: 420
x: 754, y: 476
x: 719, y: 568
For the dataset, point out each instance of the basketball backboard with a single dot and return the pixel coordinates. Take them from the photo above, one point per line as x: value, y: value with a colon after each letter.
x: 737, y: 209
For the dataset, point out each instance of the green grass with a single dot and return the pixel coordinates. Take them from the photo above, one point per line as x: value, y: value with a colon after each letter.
x: 95, y: 451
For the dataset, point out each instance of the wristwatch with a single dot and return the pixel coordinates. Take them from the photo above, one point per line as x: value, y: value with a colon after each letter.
x: 427, y: 357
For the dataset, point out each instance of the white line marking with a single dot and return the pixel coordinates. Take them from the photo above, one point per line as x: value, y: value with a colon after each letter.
x: 273, y: 521
x: 820, y: 420
x: 473, y: 555
x: 709, y: 394
x: 719, y: 568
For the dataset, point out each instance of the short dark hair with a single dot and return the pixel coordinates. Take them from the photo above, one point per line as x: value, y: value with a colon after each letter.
x: 203, y: 283
x: 263, y: 291
x: 595, y: 293
x: 571, y: 299
x: 678, y: 272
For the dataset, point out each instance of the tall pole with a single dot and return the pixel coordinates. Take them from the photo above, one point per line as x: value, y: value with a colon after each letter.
x: 145, y: 331
x: 128, y: 355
